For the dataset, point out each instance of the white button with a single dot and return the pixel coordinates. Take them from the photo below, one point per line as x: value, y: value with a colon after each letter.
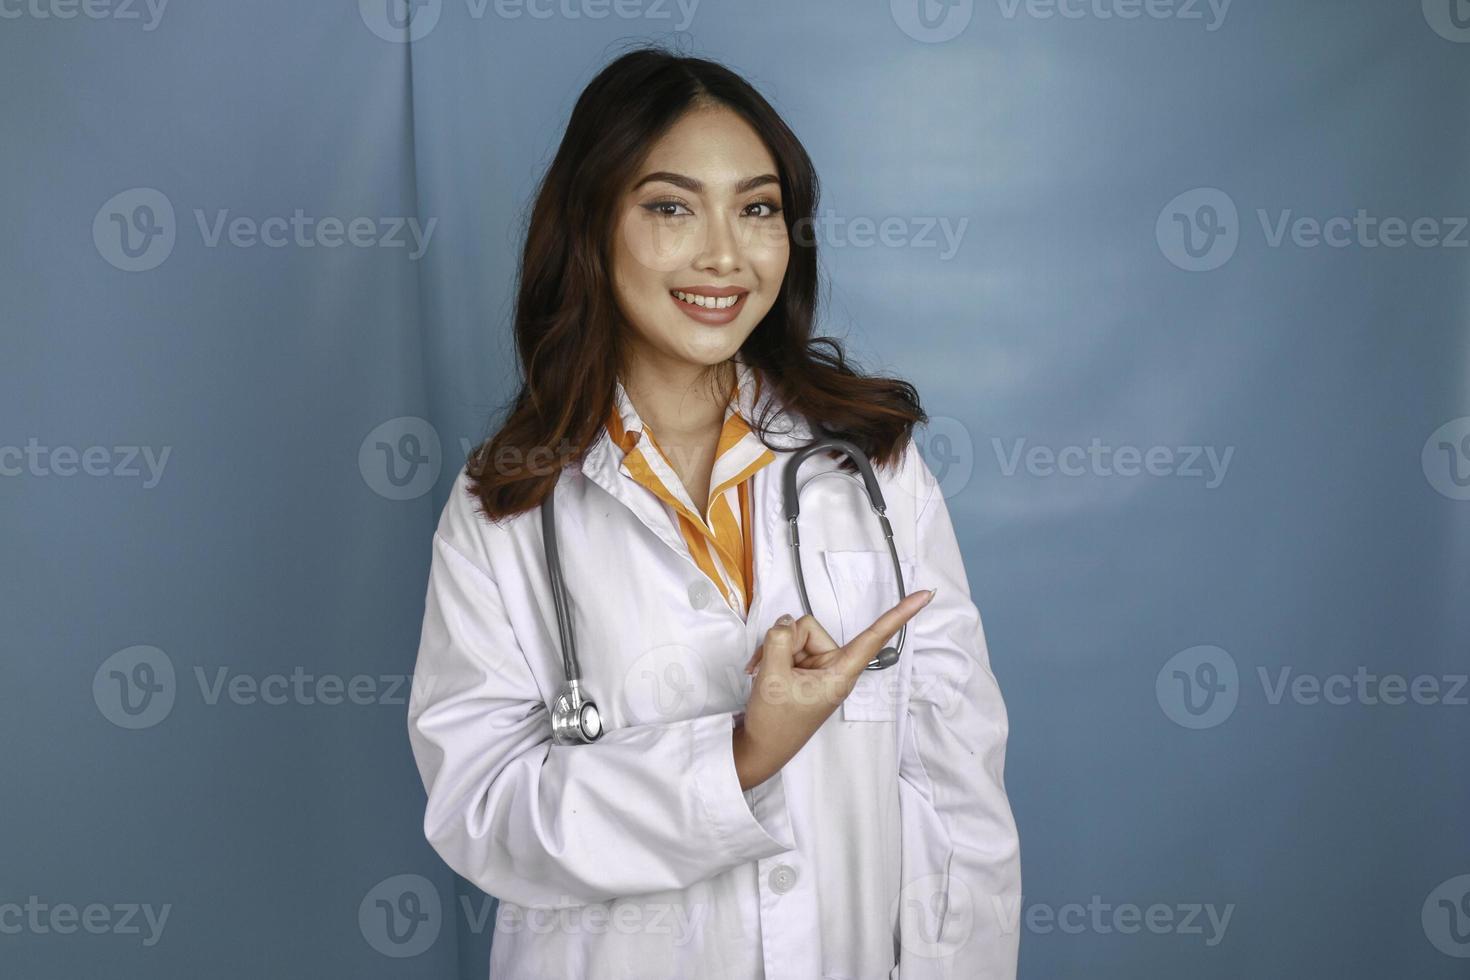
x: 783, y: 878
x: 701, y: 593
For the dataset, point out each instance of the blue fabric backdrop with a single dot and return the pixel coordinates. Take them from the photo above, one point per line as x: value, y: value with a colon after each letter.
x: 1183, y: 285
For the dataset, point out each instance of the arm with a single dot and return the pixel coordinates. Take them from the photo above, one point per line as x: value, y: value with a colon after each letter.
x: 645, y: 808
x: 962, y: 873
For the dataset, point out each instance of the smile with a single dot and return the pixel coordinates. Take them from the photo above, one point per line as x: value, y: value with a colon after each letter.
x: 712, y: 310
x: 708, y: 302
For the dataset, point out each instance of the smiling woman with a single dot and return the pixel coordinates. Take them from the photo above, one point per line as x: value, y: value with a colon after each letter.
x: 662, y: 290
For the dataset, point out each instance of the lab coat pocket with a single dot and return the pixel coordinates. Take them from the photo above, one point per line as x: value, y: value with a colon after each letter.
x: 865, y: 588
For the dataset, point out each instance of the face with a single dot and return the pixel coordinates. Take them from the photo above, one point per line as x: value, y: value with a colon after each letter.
x: 700, y: 245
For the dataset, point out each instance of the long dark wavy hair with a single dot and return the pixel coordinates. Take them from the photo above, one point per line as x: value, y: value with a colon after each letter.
x: 568, y: 328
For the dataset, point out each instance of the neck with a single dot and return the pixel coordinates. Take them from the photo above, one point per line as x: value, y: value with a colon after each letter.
x: 679, y: 400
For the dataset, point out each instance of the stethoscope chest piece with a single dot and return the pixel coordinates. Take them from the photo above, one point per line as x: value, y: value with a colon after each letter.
x: 574, y: 718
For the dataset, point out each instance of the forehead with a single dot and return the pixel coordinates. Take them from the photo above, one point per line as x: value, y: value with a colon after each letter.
x: 714, y: 145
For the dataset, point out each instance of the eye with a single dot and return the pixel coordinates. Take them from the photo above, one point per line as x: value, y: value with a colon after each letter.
x: 772, y: 208
x: 662, y: 208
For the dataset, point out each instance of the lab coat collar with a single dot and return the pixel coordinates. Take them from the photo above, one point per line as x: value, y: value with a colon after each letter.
x: 754, y: 397
x: 787, y: 431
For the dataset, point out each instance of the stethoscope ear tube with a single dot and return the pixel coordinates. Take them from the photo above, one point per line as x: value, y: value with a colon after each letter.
x: 791, y: 496
x: 791, y: 504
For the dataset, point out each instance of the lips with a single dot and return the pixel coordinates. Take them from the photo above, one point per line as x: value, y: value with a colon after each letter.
x: 710, y: 305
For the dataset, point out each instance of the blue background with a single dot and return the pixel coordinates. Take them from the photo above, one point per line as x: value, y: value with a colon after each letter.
x: 1099, y: 289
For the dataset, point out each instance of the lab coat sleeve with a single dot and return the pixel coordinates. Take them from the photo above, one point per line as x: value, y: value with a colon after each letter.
x: 645, y: 808
x: 962, y: 872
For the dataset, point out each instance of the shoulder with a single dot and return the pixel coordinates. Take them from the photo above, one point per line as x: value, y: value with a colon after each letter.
x: 464, y: 527
x: 909, y: 476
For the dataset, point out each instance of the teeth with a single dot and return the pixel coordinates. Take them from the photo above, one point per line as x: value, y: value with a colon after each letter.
x: 708, y: 302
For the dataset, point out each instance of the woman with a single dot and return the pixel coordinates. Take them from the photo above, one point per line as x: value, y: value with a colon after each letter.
x: 815, y: 819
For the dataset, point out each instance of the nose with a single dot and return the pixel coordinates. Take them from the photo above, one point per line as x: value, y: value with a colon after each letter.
x: 719, y: 253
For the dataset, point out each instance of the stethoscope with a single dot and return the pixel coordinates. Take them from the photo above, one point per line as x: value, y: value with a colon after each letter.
x: 574, y: 716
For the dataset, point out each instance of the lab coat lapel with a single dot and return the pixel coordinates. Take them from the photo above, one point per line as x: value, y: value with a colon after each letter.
x: 603, y: 467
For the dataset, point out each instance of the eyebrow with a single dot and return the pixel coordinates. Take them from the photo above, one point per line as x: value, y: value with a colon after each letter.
x: 697, y: 186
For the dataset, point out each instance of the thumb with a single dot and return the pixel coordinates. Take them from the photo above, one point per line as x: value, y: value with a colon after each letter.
x: 780, y: 645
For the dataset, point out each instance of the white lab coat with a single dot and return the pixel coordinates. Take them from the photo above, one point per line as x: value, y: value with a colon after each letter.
x: 885, y: 848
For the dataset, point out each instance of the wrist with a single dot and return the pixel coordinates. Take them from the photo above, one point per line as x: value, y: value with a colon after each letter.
x: 750, y: 766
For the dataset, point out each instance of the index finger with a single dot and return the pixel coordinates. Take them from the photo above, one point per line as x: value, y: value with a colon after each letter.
x: 868, y: 642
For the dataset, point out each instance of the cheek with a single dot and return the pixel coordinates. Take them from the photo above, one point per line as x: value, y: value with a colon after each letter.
x: 651, y: 245
x: 767, y: 247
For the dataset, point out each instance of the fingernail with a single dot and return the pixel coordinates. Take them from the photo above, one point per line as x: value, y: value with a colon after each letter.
x: 784, y: 619
x: 932, y: 592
